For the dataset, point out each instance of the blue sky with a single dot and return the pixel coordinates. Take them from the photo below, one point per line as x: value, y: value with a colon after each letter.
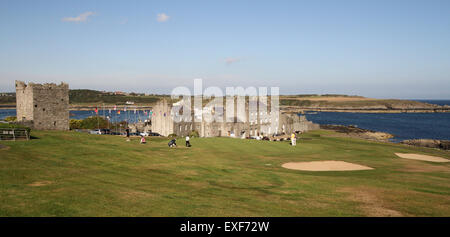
x: 382, y: 49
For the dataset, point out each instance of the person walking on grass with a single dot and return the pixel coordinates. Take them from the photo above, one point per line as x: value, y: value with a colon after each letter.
x: 128, y: 134
x: 188, y: 144
x: 293, y: 139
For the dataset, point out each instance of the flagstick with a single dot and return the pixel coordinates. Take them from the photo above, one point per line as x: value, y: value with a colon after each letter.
x: 98, y: 122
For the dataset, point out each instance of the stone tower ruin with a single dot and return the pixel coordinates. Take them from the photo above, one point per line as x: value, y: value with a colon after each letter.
x: 43, y: 106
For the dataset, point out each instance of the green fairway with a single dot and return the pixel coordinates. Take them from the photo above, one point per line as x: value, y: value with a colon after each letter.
x: 74, y: 174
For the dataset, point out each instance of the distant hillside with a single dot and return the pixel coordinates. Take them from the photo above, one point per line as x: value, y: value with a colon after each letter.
x: 98, y: 97
x: 8, y: 98
x: 292, y: 103
x: 322, y: 96
x: 95, y: 97
x: 342, y: 103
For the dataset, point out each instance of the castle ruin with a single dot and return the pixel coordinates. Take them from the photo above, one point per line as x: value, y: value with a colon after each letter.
x: 43, y: 106
x: 254, y: 123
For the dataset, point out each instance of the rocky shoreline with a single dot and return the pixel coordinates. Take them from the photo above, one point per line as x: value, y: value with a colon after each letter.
x: 439, y: 144
x: 356, y: 132
x: 353, y: 131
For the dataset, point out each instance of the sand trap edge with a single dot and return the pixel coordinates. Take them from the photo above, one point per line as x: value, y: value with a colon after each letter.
x: 330, y: 165
x: 413, y: 156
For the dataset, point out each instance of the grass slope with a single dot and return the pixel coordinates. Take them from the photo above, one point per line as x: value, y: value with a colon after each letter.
x: 74, y: 174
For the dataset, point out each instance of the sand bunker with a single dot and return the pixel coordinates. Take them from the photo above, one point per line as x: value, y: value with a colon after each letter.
x: 421, y: 157
x: 325, y: 166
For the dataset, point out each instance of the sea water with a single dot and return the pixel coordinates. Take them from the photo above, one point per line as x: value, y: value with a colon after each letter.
x: 401, y: 125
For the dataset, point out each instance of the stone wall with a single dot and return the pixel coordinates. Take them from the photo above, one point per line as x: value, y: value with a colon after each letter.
x: 46, y: 105
x: 287, y: 123
x: 24, y: 102
x: 300, y: 124
x: 162, y: 122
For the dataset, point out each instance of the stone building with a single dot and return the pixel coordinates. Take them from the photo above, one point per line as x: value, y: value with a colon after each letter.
x: 252, y: 124
x: 43, y: 106
x: 139, y: 127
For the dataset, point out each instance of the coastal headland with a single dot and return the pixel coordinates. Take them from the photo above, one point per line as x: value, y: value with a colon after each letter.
x: 356, y: 104
x: 91, y: 99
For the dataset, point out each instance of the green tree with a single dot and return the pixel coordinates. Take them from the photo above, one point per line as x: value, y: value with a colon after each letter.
x: 94, y: 122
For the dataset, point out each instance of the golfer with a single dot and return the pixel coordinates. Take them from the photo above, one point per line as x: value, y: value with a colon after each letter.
x: 128, y: 134
x: 188, y: 144
x: 172, y: 143
x: 293, y: 139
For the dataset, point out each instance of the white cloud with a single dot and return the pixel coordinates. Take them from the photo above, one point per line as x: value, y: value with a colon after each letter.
x: 230, y: 61
x: 162, y: 17
x: 81, y: 18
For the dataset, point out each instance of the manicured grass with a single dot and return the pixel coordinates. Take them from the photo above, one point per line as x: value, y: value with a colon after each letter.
x: 74, y: 174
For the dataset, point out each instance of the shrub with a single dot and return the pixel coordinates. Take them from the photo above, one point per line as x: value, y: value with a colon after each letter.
x: 10, y: 119
x: 75, y: 124
x: 194, y: 133
x: 94, y: 122
x: 173, y: 135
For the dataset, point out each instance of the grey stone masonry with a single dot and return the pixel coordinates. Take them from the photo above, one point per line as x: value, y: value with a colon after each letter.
x: 251, y: 123
x: 43, y: 106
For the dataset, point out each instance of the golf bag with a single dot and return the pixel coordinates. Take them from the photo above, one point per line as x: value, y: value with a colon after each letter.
x: 172, y: 143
